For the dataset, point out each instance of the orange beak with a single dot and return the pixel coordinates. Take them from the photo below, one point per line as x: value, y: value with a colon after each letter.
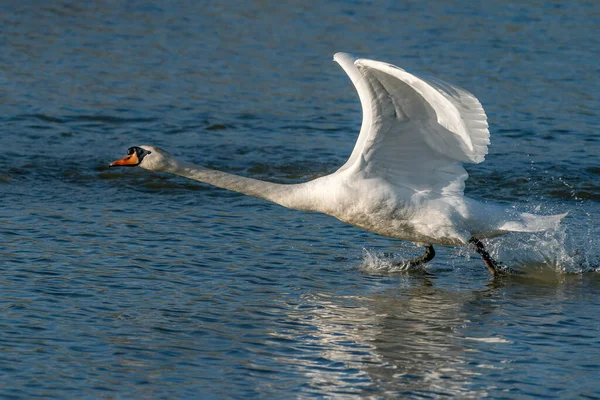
x: 129, y: 161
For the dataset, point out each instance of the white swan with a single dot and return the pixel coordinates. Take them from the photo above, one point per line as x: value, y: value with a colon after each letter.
x: 404, y: 178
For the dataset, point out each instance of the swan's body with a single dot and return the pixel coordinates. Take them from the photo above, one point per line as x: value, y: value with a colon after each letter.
x: 404, y: 178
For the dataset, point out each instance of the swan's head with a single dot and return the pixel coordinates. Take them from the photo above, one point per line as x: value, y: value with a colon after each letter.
x: 147, y: 157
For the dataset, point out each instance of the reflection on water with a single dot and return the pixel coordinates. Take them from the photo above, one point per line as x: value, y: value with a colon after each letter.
x: 409, y: 343
x: 420, y: 340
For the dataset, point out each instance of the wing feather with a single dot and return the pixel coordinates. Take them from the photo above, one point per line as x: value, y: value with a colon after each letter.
x: 416, y: 132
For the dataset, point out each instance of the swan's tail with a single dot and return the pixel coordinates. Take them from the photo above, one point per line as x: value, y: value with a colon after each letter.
x: 526, y: 222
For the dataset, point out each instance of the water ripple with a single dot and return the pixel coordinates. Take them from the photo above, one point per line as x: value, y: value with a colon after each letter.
x: 122, y: 283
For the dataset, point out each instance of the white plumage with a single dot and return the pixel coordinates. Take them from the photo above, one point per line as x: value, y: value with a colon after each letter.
x: 404, y: 178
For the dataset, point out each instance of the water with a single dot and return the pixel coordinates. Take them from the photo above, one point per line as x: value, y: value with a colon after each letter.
x: 128, y: 284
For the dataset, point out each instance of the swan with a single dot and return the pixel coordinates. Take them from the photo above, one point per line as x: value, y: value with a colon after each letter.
x: 404, y: 177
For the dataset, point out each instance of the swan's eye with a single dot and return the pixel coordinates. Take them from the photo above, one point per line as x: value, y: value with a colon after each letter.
x: 130, y: 151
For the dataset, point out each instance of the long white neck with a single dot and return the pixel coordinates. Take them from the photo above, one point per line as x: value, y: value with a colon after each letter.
x: 297, y: 196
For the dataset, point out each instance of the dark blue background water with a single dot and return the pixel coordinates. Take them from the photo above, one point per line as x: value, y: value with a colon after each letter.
x: 125, y: 283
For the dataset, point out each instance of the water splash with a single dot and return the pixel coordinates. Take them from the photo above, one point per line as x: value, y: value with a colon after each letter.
x: 385, y: 263
x: 571, y: 248
x: 564, y: 250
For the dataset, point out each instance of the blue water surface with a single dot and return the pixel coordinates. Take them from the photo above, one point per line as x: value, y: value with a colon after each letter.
x: 129, y: 284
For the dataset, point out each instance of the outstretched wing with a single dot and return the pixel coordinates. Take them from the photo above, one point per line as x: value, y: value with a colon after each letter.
x: 415, y: 132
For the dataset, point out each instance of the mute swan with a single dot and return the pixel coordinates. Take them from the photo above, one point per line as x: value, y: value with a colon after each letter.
x: 404, y: 178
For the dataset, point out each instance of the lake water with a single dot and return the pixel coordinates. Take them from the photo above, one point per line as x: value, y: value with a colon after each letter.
x: 129, y: 284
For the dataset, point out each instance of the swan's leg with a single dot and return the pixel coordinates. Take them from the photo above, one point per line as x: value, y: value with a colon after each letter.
x: 491, y: 264
x: 428, y: 256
